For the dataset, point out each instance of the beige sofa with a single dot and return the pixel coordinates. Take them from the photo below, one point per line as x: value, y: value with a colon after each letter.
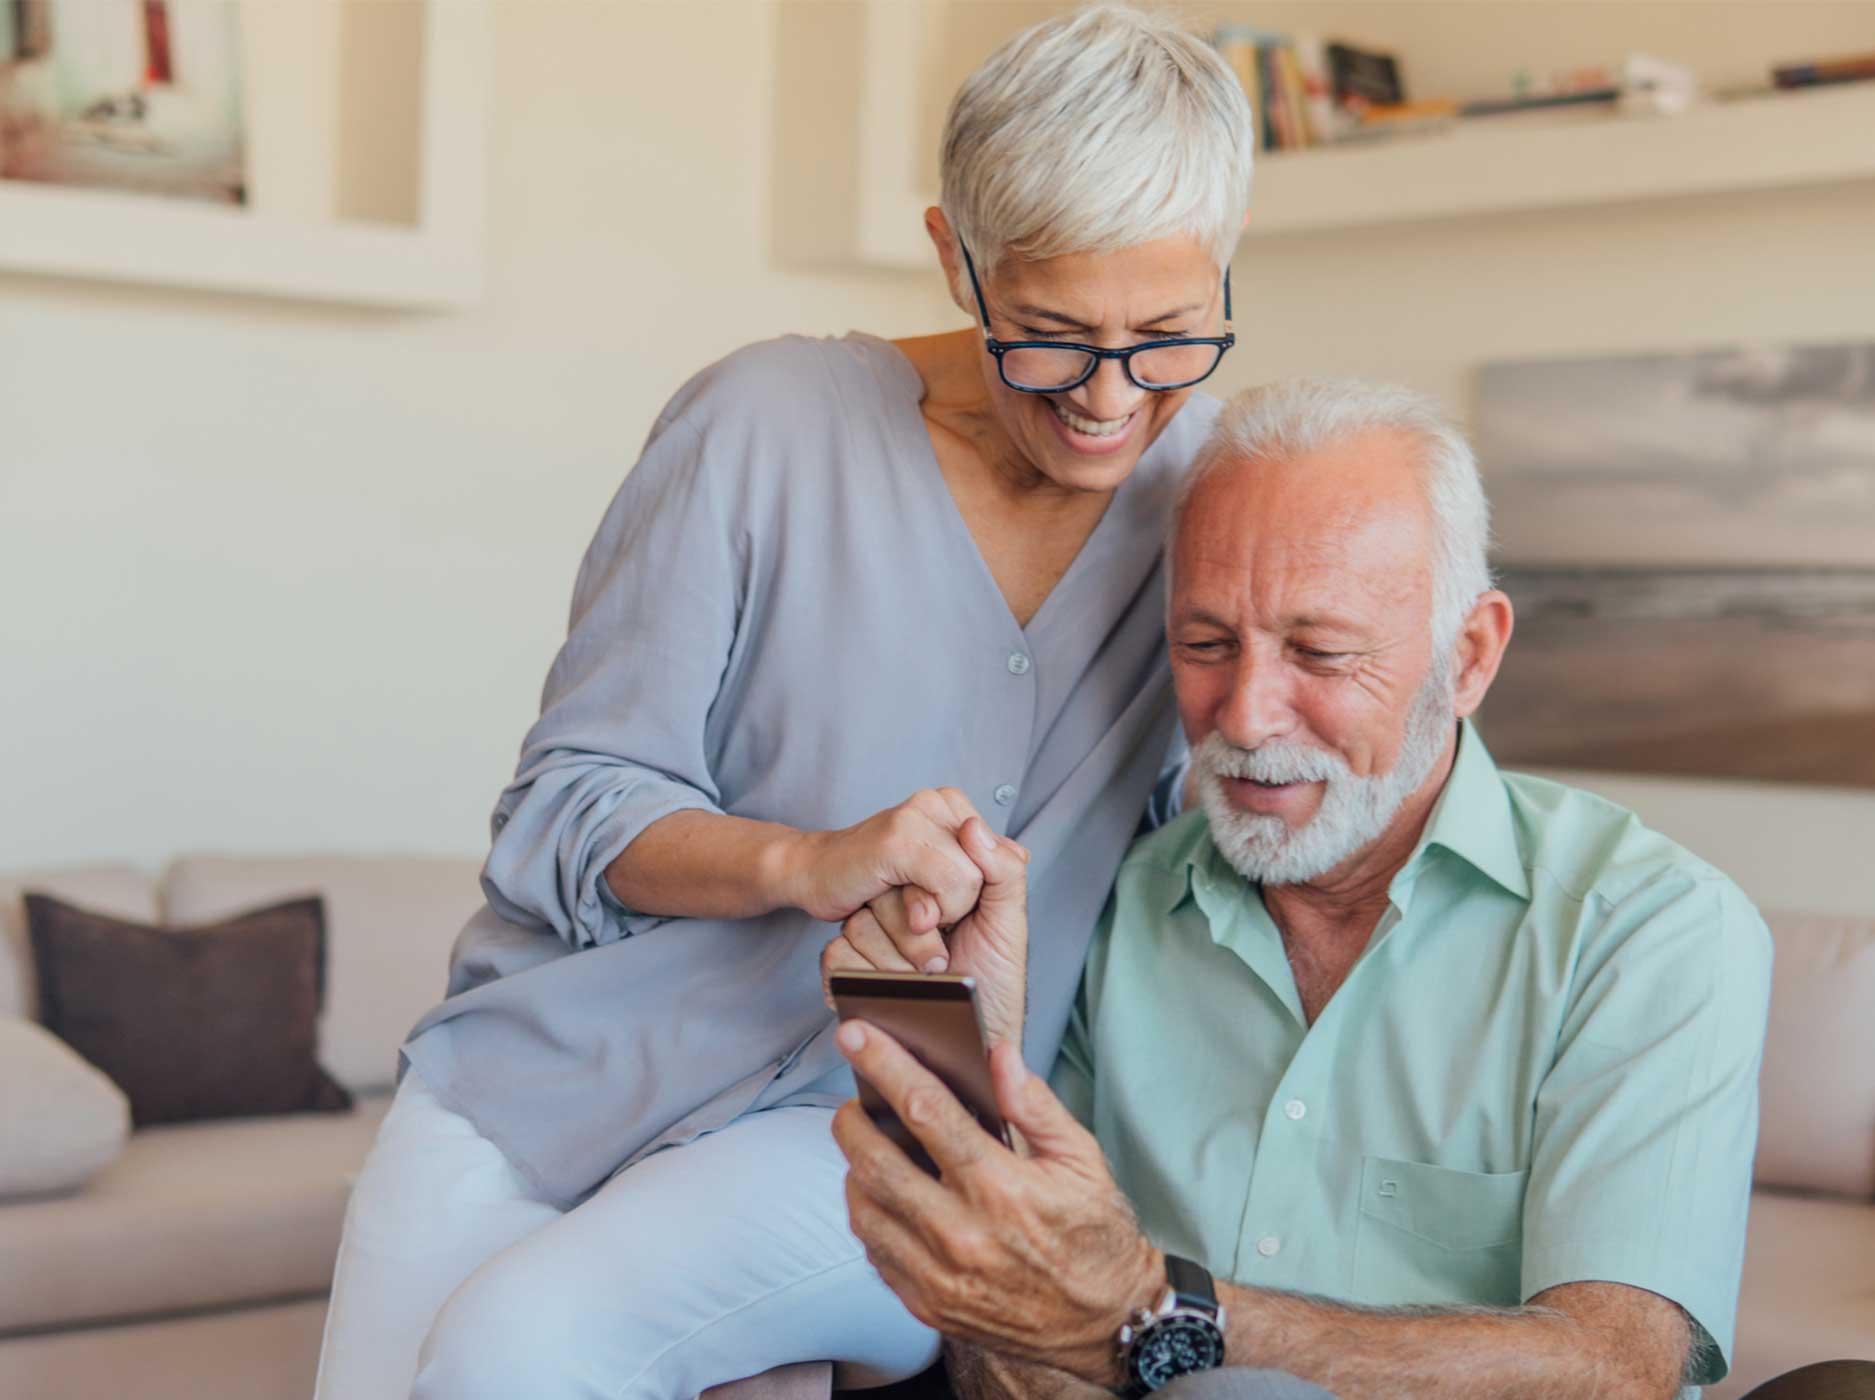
x: 197, y: 1264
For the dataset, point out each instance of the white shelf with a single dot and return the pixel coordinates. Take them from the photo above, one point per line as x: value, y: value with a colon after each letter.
x: 1498, y: 165
x: 846, y: 197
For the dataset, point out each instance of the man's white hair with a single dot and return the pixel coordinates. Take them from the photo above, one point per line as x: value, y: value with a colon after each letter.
x: 1095, y: 131
x: 1282, y: 421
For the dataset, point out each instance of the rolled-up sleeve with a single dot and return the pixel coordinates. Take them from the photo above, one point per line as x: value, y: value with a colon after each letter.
x: 1646, y: 1123
x: 620, y: 742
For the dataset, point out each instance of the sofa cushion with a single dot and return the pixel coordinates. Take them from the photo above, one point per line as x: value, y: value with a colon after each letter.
x: 390, y: 922
x: 1817, y: 1091
x: 191, y: 1215
x: 61, y: 1120
x: 1808, y: 1292
x: 207, y: 1021
x: 111, y: 889
x: 261, y: 1353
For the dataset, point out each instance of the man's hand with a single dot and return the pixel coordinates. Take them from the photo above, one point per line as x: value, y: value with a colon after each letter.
x: 1037, y: 1257
x: 990, y: 943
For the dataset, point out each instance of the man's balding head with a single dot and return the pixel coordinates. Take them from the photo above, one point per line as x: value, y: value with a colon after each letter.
x: 1330, y: 619
x: 1276, y: 424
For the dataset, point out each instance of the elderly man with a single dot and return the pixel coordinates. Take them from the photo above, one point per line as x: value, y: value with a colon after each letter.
x: 1447, y: 1076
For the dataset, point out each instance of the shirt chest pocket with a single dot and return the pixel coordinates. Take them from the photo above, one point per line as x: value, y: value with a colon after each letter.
x: 1431, y: 1234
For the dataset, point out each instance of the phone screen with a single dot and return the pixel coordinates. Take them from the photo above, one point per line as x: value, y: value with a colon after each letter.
x: 934, y: 1016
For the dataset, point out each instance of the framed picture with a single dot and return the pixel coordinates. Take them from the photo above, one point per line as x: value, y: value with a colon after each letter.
x: 334, y: 151
x: 142, y: 97
x: 1689, y: 541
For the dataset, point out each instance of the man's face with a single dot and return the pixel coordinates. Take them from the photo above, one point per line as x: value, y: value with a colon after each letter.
x: 1302, y: 653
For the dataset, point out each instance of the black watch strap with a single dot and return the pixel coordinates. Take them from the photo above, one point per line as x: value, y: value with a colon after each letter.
x: 1191, y: 1283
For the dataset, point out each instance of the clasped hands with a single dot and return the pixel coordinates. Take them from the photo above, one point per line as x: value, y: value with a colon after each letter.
x: 927, y: 886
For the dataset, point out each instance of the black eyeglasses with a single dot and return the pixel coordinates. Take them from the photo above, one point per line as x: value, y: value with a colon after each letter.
x: 1055, y: 366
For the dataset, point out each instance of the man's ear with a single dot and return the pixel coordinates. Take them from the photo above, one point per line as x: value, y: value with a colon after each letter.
x: 1480, y: 650
x: 938, y: 229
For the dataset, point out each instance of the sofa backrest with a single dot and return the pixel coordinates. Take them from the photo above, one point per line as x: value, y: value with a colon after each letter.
x: 122, y: 890
x: 1803, y: 855
x: 1816, y: 1096
x: 390, y: 922
x: 392, y: 919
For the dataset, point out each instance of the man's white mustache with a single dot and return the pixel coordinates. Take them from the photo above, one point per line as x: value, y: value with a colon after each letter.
x: 1275, y: 761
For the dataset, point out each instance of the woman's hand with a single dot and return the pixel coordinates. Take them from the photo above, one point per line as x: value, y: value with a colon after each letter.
x: 907, y: 857
x: 990, y: 943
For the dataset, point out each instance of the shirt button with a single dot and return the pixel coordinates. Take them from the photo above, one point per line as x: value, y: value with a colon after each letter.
x: 1295, y: 1110
x: 1269, y: 1246
x: 1018, y: 664
x: 1004, y: 795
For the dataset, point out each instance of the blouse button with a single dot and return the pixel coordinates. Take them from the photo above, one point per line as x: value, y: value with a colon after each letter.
x: 1018, y: 664
x: 1005, y: 795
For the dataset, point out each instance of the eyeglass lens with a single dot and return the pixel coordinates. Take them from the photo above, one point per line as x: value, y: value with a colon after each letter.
x: 1167, y: 366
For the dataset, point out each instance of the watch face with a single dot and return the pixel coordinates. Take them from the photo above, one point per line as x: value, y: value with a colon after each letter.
x: 1177, y: 1346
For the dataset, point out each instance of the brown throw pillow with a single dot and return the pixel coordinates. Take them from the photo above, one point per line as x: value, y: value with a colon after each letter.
x: 214, y: 1021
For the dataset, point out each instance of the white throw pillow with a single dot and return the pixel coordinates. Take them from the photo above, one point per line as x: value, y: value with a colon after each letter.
x: 61, y: 1119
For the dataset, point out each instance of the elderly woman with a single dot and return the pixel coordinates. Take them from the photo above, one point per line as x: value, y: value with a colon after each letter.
x: 864, y: 615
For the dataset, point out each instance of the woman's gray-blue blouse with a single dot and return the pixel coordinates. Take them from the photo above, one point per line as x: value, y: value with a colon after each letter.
x: 783, y: 616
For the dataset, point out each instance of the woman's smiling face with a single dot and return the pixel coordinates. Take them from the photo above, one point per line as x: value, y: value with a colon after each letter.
x: 1091, y: 437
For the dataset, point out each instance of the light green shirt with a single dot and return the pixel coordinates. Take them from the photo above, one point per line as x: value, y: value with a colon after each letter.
x: 1542, y: 1070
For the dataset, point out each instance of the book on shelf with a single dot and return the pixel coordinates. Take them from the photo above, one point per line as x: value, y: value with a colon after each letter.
x: 1303, y: 91
x: 1364, y: 77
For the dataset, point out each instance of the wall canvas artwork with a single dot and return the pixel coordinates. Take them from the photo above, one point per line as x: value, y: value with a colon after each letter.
x: 1689, y: 541
x: 132, y: 95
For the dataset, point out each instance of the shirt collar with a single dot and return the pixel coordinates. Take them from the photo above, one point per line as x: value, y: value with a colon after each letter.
x: 1472, y: 819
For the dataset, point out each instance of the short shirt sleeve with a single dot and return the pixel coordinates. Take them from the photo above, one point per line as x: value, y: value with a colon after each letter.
x: 1647, y: 1120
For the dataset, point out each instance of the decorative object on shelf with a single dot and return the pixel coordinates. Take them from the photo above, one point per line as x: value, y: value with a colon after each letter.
x: 1654, y: 85
x: 1851, y: 68
x: 1690, y: 543
x: 139, y: 97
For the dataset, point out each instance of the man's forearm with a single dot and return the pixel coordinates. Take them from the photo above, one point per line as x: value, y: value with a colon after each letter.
x: 1596, y: 1342
x: 976, y: 1374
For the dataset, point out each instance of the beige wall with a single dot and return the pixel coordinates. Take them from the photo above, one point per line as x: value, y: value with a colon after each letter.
x: 274, y: 575
x: 279, y: 576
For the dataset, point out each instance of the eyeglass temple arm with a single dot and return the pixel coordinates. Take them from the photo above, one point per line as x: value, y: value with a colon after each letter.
x: 984, y: 311
x: 975, y: 286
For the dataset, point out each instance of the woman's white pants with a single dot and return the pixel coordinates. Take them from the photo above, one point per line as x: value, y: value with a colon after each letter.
x: 700, y: 1264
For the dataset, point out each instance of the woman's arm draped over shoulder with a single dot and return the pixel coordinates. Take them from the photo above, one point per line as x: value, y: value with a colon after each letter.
x: 619, y: 743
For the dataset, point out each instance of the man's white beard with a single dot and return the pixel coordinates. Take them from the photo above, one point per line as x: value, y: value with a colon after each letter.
x: 1354, y: 811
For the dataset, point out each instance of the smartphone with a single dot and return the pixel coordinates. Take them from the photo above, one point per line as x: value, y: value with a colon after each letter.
x: 933, y: 1015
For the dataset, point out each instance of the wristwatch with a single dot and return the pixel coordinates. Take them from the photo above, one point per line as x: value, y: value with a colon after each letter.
x: 1185, y: 1333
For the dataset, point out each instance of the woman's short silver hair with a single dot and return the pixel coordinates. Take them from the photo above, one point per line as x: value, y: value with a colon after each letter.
x: 1095, y: 131
x: 1294, y: 417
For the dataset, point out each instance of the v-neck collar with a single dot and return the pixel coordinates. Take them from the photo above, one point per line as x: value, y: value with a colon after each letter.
x: 918, y: 443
